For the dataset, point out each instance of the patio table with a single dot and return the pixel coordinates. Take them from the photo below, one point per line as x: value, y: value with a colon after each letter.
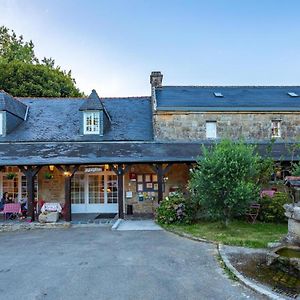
x: 11, y: 208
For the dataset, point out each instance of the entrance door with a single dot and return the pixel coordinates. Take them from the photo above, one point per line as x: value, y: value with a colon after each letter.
x: 99, y: 193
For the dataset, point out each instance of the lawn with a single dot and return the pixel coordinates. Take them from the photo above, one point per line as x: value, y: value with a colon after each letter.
x: 238, y: 233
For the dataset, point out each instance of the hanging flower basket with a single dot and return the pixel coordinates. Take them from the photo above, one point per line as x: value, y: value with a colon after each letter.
x: 11, y: 176
x: 48, y: 176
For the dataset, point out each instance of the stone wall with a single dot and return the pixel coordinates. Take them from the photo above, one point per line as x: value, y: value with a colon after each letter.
x: 251, y: 126
x: 176, y: 177
x: 51, y: 190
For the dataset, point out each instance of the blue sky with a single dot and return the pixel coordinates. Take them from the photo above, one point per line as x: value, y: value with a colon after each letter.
x: 113, y: 45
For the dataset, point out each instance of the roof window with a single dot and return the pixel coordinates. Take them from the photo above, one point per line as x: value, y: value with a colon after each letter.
x: 291, y: 94
x: 220, y: 95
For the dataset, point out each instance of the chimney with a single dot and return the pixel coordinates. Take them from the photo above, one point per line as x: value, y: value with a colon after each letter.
x: 156, y: 79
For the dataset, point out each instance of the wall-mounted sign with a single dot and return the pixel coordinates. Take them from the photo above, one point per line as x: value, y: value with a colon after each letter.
x: 93, y: 170
x: 132, y: 176
x: 129, y: 194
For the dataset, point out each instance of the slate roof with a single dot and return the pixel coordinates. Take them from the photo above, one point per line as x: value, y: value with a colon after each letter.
x: 116, y: 152
x: 93, y: 102
x: 59, y: 119
x: 235, y: 98
x: 12, y: 105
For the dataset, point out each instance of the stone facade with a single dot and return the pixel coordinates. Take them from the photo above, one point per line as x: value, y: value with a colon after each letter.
x: 51, y: 190
x: 175, y: 178
x: 190, y: 126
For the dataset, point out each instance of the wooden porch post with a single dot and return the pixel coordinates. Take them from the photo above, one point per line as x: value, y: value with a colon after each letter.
x: 120, y: 174
x: 160, y: 182
x: 30, y: 172
x: 161, y: 171
x: 68, y: 173
x: 120, y: 171
x: 68, y: 212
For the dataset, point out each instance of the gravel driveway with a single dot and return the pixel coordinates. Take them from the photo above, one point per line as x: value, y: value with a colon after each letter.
x: 97, y: 263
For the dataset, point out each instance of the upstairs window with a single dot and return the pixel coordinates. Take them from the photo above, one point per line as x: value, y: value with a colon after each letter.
x: 1, y: 123
x: 211, y: 129
x: 276, y: 128
x: 91, y: 122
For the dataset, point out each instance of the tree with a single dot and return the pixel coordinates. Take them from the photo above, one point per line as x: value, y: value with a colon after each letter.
x: 225, y: 180
x: 23, y: 75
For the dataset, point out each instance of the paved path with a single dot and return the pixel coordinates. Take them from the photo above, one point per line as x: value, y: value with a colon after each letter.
x: 97, y: 263
x: 138, y: 225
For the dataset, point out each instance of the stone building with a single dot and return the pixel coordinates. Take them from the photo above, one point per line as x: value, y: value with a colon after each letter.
x: 114, y: 155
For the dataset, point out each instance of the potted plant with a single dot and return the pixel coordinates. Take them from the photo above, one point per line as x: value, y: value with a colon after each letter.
x: 10, y: 175
x: 48, y: 175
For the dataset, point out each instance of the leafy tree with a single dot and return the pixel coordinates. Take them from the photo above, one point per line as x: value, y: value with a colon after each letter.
x: 27, y: 80
x: 225, y: 180
x: 23, y: 75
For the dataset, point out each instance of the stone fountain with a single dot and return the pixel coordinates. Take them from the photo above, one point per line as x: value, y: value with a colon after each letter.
x: 292, y: 211
x: 287, y: 255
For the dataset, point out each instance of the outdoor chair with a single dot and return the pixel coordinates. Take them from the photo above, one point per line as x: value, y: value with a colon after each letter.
x: 252, y: 213
x: 11, y: 208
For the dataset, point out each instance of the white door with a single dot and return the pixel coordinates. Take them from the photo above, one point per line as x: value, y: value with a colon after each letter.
x: 98, y: 193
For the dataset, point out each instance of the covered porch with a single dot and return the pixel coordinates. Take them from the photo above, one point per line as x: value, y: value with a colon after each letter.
x: 102, y: 177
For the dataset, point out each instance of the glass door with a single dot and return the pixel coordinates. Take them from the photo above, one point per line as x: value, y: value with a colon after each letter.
x: 94, y: 193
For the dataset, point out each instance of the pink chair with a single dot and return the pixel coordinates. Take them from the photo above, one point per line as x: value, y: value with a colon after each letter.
x: 11, y: 208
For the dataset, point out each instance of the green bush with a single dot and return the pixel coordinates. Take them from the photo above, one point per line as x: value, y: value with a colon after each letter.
x: 271, y: 208
x: 175, y: 209
x: 296, y: 169
x: 225, y: 181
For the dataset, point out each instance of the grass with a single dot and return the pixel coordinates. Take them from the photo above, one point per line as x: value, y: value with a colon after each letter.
x: 238, y: 233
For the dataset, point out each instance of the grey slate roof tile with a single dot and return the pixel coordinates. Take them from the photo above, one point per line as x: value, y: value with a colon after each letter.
x: 59, y: 119
x: 12, y: 105
x: 116, y: 152
x: 235, y: 98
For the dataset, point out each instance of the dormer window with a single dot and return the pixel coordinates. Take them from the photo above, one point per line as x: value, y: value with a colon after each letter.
x: 91, y: 122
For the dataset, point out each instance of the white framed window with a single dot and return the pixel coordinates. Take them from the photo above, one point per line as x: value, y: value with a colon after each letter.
x: 211, y: 129
x: 1, y: 123
x: 276, y: 128
x: 91, y: 122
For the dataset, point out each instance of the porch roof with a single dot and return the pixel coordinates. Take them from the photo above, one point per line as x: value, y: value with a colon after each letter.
x: 117, y: 152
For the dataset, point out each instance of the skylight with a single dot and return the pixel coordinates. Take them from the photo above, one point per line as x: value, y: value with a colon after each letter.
x: 293, y: 94
x: 218, y: 95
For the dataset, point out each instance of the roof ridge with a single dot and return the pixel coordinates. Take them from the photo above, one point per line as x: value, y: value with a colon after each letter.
x: 126, y: 97
x: 232, y: 86
x: 64, y: 98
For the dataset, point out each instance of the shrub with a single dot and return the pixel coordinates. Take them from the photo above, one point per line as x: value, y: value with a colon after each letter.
x: 225, y: 181
x: 175, y: 209
x: 296, y: 169
x: 271, y: 209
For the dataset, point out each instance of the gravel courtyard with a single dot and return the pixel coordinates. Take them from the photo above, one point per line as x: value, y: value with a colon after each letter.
x: 97, y: 263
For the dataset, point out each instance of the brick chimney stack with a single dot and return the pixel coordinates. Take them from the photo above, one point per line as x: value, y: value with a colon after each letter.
x: 156, y: 79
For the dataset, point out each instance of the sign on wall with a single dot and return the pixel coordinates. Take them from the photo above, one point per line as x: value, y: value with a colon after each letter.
x: 93, y: 170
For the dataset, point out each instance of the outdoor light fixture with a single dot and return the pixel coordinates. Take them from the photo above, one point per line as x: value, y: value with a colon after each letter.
x: 106, y: 167
x: 51, y: 168
x: 67, y: 173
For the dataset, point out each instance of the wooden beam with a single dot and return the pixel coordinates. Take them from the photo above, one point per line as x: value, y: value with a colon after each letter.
x: 67, y: 208
x: 120, y: 174
x: 160, y: 182
x: 69, y: 172
x: 30, y: 172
